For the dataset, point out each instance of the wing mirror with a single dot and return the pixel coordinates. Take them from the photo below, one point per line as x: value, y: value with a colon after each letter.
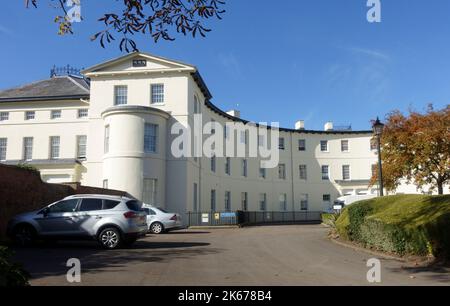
x: 44, y: 211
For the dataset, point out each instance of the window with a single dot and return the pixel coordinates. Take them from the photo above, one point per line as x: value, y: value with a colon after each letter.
x: 30, y: 115
x: 226, y: 132
x: 83, y: 113
x: 244, y: 201
x: 213, y: 163
x: 374, y: 170
x: 213, y: 200
x: 244, y: 137
x: 105, y: 184
x: 134, y: 205
x: 150, y: 138
x: 149, y: 191
x: 157, y: 91
x: 281, y: 143
x: 63, y: 206
x: 303, y: 172
x: 282, y: 171
x: 228, y: 165
x: 54, y: 147
x: 196, y: 106
x: 3, y: 148
x: 4, y: 116
x: 55, y: 114
x: 81, y: 146
x: 244, y: 168
x: 304, y: 201
x: 227, y: 201
x: 302, y: 145
x: 344, y: 146
x: 110, y: 204
x: 28, y: 148
x: 324, y: 145
x: 261, y: 142
x: 262, y: 201
x: 262, y: 172
x: 326, y: 198
x: 120, y: 95
x: 346, y: 172
x: 195, y: 195
x: 325, y: 173
x: 91, y: 204
x: 283, y: 202
x: 213, y: 127
x: 106, y: 140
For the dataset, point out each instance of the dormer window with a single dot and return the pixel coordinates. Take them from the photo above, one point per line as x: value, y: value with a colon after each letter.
x: 139, y: 63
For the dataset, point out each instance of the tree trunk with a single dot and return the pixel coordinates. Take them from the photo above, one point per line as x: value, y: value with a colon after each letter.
x: 440, y: 188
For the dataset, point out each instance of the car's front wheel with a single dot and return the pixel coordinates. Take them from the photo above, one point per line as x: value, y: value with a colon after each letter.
x: 157, y: 228
x: 110, y: 238
x: 24, y: 235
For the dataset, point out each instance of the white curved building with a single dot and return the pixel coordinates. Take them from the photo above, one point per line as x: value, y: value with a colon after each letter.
x: 115, y: 131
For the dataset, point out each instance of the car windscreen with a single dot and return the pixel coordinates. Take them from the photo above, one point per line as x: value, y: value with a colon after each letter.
x: 134, y: 205
x: 163, y: 210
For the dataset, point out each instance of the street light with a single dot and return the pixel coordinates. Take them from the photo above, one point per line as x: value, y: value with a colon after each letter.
x: 378, y: 131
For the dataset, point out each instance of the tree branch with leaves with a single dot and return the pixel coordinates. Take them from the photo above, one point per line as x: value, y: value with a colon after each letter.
x: 416, y: 148
x: 159, y: 19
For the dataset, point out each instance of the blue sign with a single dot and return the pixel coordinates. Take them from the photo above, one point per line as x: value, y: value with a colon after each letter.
x: 228, y: 215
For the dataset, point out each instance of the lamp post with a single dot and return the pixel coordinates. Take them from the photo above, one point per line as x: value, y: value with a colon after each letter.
x: 378, y: 131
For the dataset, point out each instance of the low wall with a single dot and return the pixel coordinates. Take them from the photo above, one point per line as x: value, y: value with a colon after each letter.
x: 22, y: 190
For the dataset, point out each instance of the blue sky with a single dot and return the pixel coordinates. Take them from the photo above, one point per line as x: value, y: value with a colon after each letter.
x: 317, y: 60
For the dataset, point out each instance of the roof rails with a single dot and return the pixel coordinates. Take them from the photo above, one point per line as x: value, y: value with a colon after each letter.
x: 94, y: 195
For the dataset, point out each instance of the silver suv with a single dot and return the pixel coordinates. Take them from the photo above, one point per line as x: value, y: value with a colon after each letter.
x: 112, y: 220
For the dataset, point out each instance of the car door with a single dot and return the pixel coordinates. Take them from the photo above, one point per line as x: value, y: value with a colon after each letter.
x: 151, y: 215
x: 59, y: 218
x: 89, y: 213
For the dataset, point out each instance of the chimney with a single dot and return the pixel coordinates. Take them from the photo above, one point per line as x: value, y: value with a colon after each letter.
x: 300, y: 125
x: 328, y: 126
x: 234, y: 113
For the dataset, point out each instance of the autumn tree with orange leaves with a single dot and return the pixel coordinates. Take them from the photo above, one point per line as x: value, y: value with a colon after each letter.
x: 416, y: 148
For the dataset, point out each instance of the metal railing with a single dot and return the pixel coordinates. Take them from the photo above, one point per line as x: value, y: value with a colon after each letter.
x: 245, y: 218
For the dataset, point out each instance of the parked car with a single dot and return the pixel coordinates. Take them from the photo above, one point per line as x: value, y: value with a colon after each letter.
x: 350, y: 199
x: 160, y: 221
x: 113, y: 221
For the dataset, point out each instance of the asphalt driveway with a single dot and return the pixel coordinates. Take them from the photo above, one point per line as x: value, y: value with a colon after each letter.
x: 271, y: 255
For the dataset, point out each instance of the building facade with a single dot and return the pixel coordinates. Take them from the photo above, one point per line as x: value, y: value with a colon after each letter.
x: 113, y: 127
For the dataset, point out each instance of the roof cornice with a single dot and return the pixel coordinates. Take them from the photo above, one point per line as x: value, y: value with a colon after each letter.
x: 40, y: 99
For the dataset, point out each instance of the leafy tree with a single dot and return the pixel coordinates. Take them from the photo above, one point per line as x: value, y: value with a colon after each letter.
x: 416, y: 148
x: 157, y: 18
x: 11, y: 274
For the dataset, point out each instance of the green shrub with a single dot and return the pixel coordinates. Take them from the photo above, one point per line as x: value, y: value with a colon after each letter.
x: 404, y: 224
x: 330, y: 219
x: 11, y: 274
x: 357, y: 215
x: 27, y: 167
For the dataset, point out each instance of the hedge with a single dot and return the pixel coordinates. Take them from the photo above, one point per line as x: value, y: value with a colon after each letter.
x: 402, y: 224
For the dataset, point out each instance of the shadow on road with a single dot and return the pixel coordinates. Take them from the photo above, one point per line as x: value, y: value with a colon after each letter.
x: 186, y: 233
x: 433, y: 272
x: 50, y: 260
